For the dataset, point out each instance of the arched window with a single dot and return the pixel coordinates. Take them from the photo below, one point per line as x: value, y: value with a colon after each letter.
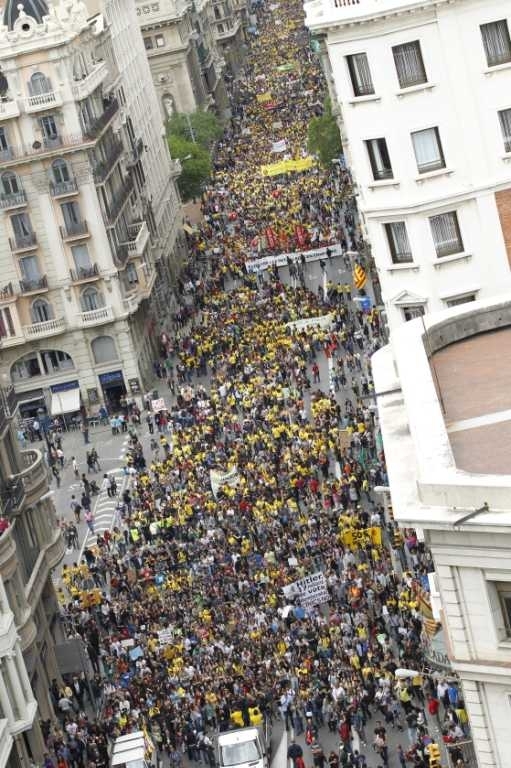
x: 41, y: 311
x: 39, y: 84
x: 103, y: 349
x: 45, y: 362
x: 10, y: 183
x: 60, y: 171
x: 91, y: 299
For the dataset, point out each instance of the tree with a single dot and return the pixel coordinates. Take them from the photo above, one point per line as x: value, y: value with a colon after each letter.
x: 203, y: 127
x: 324, y: 138
x: 196, y: 165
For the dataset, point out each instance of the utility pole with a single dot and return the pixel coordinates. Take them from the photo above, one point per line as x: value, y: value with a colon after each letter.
x: 190, y: 128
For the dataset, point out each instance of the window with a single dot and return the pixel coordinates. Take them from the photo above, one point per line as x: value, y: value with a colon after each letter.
x: 91, y: 299
x: 22, y: 228
x: 148, y: 42
x: 504, y: 594
x: 6, y: 324
x: 379, y: 158
x: 81, y: 257
x: 505, y: 127
x: 457, y: 300
x: 10, y: 183
x: 60, y: 171
x: 41, y: 311
x: 409, y: 64
x: 39, y: 84
x: 71, y: 214
x: 360, y: 74
x: 446, y: 234
x: 30, y: 268
x: 103, y: 349
x: 416, y: 310
x: 497, y: 44
x: 428, y: 150
x: 4, y: 143
x: 160, y: 41
x: 131, y: 273
x: 399, y: 244
x: 49, y: 130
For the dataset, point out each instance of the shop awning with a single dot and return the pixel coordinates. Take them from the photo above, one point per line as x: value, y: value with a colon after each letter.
x: 65, y: 402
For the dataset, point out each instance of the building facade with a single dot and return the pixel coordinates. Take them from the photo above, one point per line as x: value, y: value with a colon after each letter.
x: 422, y: 95
x: 89, y: 207
x: 191, y: 47
x: 442, y: 388
x: 31, y: 545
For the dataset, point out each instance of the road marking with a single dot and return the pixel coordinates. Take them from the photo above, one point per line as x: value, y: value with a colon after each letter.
x: 480, y: 421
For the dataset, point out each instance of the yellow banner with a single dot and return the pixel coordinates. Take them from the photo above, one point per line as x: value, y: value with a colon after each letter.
x: 264, y: 97
x: 287, y: 166
x: 357, y: 539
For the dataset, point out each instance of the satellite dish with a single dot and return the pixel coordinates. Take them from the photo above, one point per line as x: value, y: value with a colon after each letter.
x: 4, y: 85
x: 36, y: 145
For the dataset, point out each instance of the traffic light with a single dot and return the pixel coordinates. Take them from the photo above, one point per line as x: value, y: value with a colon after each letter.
x: 435, y: 760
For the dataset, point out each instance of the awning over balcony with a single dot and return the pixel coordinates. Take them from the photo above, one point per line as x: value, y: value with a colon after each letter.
x: 67, y: 401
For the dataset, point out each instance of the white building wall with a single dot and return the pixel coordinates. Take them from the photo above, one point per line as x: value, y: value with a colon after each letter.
x: 462, y: 98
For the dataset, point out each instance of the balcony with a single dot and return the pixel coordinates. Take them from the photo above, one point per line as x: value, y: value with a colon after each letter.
x: 63, y: 188
x: 94, y: 129
x: 14, y: 200
x: 46, y: 328
x: 96, y: 317
x: 136, y: 153
x: 7, y: 292
x: 131, y: 303
x: 9, y: 109
x: 13, y: 497
x: 140, y: 234
x: 119, y: 200
x: 84, y: 273
x: 101, y: 170
x: 34, y: 476
x: 7, y: 551
x: 85, y: 87
x: 121, y: 254
x: 23, y: 242
x: 41, y: 101
x: 18, y: 153
x: 226, y: 28
x: 74, y: 230
x: 8, y: 405
x: 34, y: 285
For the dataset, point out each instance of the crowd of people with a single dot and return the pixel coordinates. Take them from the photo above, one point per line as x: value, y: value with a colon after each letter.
x: 261, y: 473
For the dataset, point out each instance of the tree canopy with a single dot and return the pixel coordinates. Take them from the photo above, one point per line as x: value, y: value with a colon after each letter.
x: 196, y: 165
x: 204, y: 127
x: 324, y: 138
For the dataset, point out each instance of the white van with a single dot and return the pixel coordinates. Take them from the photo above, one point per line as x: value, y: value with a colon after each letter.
x: 243, y: 748
x: 134, y: 750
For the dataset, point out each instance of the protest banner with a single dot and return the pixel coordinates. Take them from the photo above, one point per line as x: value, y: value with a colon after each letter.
x: 165, y: 636
x: 309, y: 591
x: 262, y: 98
x: 280, y: 260
x: 217, y: 479
x: 158, y: 404
x: 324, y: 321
x: 362, y: 537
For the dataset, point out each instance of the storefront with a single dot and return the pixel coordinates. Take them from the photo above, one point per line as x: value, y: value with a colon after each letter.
x: 65, y: 400
x: 31, y: 404
x: 113, y: 387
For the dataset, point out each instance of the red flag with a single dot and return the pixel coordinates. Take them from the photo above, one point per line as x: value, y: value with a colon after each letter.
x: 301, y: 235
x: 271, y: 238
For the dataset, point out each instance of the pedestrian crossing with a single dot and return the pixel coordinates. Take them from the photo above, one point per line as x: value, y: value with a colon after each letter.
x: 105, y: 509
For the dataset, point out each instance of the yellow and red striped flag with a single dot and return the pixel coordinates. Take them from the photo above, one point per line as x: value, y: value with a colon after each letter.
x: 359, y: 277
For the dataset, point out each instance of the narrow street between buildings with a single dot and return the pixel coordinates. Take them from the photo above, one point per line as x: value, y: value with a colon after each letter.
x: 249, y: 569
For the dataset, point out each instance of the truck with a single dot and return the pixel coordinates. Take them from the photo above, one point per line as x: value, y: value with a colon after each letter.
x: 248, y: 747
x: 134, y: 750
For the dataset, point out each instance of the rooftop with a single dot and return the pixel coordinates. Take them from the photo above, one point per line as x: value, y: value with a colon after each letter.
x: 444, y: 403
x: 321, y: 13
x: 474, y: 379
